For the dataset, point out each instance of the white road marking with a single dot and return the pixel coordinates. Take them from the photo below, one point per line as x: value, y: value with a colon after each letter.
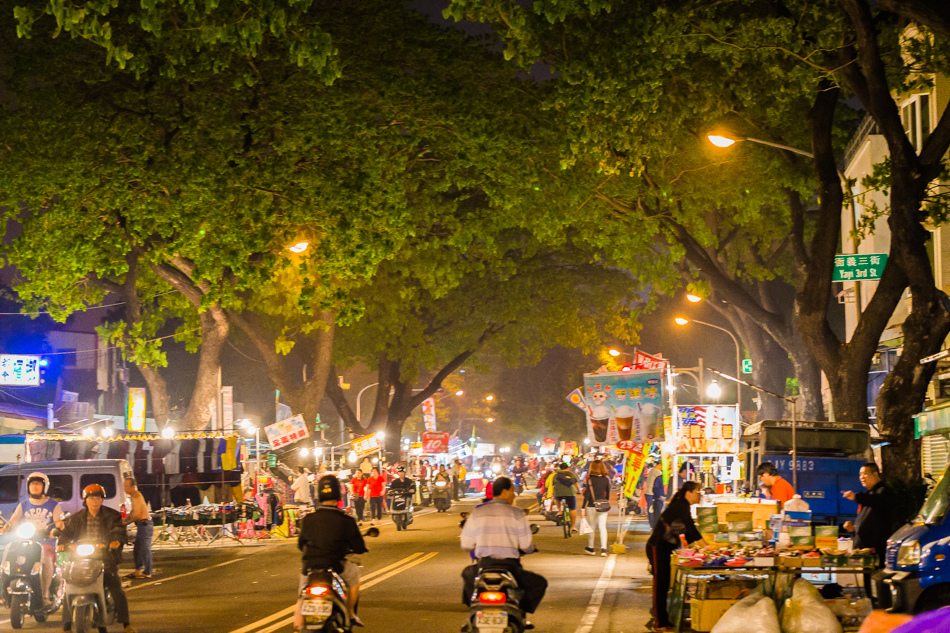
x: 597, y: 598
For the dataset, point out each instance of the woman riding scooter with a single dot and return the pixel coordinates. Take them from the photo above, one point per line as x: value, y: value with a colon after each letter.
x: 441, y: 485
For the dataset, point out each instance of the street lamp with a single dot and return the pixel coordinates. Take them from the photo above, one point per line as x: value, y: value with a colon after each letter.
x: 168, y: 432
x: 685, y: 321
x: 358, y: 399
x: 299, y: 247
x: 460, y: 393
x: 489, y: 398
x: 714, y: 390
x: 693, y: 298
x: 614, y: 352
x: 728, y: 141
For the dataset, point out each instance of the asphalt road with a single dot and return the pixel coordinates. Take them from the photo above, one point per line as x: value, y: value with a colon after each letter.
x: 411, y: 583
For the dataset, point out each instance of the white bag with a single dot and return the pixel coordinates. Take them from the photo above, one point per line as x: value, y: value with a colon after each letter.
x: 807, y: 612
x: 753, y: 614
x: 584, y: 527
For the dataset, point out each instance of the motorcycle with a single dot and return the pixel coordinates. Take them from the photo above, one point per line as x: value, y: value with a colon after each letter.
x: 400, y: 509
x: 495, y: 603
x: 440, y: 496
x: 323, y: 600
x: 88, y: 598
x: 519, y: 483
x: 21, y: 578
x: 425, y: 493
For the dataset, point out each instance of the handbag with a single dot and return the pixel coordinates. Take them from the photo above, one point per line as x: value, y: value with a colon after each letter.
x: 673, y: 531
x: 602, y: 506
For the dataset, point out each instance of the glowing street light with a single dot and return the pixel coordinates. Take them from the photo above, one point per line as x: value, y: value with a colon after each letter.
x: 107, y: 432
x: 168, y: 432
x: 88, y: 432
x: 720, y: 141
x: 459, y: 392
x: 489, y: 420
x: 304, y: 452
x: 681, y: 321
x: 714, y: 390
x: 299, y: 247
x: 489, y: 398
x: 351, y: 456
x: 380, y: 435
x: 614, y: 352
x: 693, y: 298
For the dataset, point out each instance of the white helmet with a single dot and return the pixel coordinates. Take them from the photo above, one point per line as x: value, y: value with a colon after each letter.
x: 37, y: 476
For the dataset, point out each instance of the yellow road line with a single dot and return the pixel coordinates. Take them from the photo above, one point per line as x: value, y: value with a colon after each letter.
x: 387, y: 572
x: 191, y: 573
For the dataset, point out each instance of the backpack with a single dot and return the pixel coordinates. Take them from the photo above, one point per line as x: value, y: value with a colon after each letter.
x: 565, y: 479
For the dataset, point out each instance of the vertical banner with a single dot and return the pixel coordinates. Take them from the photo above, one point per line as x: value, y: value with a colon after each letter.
x: 569, y: 448
x: 428, y: 414
x: 707, y: 429
x: 135, y: 410
x: 227, y: 407
x: 623, y: 406
x: 636, y: 459
x: 548, y: 445
x: 666, y: 457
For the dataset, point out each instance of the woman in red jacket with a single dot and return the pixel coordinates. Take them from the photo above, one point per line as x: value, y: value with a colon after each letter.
x: 358, y: 488
x: 375, y: 485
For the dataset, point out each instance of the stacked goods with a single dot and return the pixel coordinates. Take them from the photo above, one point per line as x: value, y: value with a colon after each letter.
x: 739, y: 521
x: 707, y: 519
x: 826, y: 536
x: 800, y: 537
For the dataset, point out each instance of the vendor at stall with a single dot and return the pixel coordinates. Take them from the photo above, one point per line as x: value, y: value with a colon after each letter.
x: 875, y: 507
x: 777, y: 488
x: 675, y: 522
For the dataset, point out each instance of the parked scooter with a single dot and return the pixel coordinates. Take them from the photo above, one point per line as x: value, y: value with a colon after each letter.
x: 400, y: 509
x: 87, y: 596
x: 323, y: 600
x: 21, y: 577
x: 440, y: 495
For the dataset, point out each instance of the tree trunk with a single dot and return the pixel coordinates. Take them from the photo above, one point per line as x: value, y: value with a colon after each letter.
x: 158, y: 390
x: 214, y: 332
x: 810, y: 403
x: 767, y: 370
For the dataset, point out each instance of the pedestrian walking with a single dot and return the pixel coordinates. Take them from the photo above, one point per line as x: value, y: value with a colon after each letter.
x: 375, y: 486
x: 655, y: 494
x: 596, y: 505
x: 144, y: 528
x: 358, y: 488
x: 301, y: 487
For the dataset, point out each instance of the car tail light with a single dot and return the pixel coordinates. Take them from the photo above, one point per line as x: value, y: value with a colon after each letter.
x: 317, y: 590
x: 492, y: 597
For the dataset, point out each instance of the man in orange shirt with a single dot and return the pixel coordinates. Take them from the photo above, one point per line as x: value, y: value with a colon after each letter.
x: 778, y: 488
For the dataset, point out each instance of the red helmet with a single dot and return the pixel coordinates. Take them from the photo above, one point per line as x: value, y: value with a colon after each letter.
x: 93, y: 490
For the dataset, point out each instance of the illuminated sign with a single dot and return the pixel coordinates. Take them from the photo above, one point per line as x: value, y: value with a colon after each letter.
x: 366, y: 445
x: 135, y: 410
x: 19, y: 370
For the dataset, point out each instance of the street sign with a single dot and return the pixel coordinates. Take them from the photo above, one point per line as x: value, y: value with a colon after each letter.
x: 933, y: 357
x: 286, y: 431
x: 272, y: 460
x: 19, y: 370
x: 854, y: 267
x: 746, y: 365
x: 366, y: 444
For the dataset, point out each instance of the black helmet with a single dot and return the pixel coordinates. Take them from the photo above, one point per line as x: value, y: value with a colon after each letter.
x: 328, y: 489
x: 400, y: 469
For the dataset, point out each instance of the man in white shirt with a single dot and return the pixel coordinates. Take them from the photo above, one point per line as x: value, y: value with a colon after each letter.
x: 301, y: 486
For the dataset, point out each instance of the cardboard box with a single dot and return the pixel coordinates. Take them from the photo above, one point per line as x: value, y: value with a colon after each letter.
x: 707, y: 511
x: 796, y: 530
x: 828, y: 560
x: 798, y: 516
x: 799, y: 542
x: 823, y: 542
x: 740, y: 526
x: 826, y: 531
x: 722, y: 537
x: 705, y: 614
x: 739, y: 517
x: 763, y: 561
x: 790, y: 561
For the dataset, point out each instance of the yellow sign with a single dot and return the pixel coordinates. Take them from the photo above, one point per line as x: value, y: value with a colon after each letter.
x: 525, y: 449
x: 135, y: 410
x: 366, y: 445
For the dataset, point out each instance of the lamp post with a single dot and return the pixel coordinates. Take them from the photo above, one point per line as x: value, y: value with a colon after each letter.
x: 358, y: 399
x: 685, y: 321
x: 727, y: 141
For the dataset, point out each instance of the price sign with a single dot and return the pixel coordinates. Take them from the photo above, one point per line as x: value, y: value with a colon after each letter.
x: 365, y: 445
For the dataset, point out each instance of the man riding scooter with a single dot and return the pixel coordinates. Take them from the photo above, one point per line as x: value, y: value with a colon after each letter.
x: 44, y: 513
x: 326, y: 537
x: 101, y: 525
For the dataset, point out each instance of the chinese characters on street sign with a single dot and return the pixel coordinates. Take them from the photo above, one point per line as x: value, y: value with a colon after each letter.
x: 855, y: 267
x: 23, y: 371
x: 286, y: 431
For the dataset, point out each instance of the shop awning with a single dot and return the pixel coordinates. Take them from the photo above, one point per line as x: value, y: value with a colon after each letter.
x: 933, y: 421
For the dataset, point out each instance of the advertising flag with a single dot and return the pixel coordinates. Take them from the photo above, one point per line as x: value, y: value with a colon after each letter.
x: 623, y: 406
x: 636, y: 459
x: 135, y: 413
x: 428, y: 413
x: 286, y: 431
x: 576, y: 398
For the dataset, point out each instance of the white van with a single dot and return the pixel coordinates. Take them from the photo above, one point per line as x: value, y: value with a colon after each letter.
x: 69, y: 478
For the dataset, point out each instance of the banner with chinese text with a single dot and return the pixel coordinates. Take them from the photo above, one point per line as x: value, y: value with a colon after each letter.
x: 623, y: 406
x: 707, y: 429
x: 286, y: 431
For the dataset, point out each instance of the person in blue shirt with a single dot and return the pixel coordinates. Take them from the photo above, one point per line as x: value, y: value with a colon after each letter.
x: 45, y: 514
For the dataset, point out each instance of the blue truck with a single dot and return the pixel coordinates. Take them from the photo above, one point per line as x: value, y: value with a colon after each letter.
x: 830, y: 455
x: 916, y: 576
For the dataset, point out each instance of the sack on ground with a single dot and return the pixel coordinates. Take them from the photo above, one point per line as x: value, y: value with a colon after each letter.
x: 752, y: 614
x: 807, y: 612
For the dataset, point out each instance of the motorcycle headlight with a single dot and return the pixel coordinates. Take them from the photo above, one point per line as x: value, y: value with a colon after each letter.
x: 909, y: 554
x: 85, y: 549
x: 37, y: 567
x: 496, y: 468
x: 26, y: 530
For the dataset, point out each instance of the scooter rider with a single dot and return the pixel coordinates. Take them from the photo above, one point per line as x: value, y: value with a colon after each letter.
x: 44, y: 513
x: 102, y: 525
x: 327, y: 536
x: 402, y: 484
x: 498, y: 533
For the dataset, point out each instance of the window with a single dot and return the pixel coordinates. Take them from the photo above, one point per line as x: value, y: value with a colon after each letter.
x: 105, y: 480
x: 915, y: 115
x: 8, y: 489
x: 61, y: 487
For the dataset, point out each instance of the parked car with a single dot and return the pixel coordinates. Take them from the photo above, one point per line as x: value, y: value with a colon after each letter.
x: 67, y: 477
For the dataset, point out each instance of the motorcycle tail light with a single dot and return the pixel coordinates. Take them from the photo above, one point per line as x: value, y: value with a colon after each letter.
x: 317, y: 590
x: 491, y: 597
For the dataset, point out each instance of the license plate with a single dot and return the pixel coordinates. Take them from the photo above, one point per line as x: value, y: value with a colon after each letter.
x: 319, y: 608
x: 491, y: 619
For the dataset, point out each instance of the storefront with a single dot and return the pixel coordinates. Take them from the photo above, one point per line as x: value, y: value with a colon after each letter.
x: 932, y: 427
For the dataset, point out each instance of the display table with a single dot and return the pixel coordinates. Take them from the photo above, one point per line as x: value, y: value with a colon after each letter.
x: 698, y: 585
